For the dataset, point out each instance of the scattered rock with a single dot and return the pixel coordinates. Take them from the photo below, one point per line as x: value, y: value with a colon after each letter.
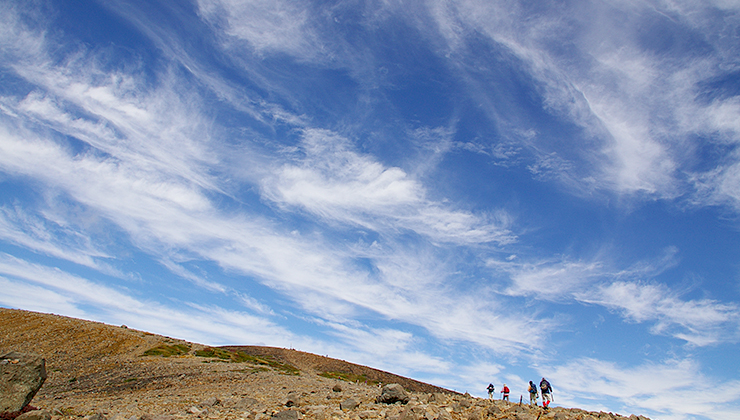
x: 96, y: 416
x: 337, y: 388
x: 21, y: 376
x: 194, y: 410
x: 243, y: 403
x: 213, y: 401
x: 156, y: 417
x: 493, y: 411
x: 349, y: 404
x: 391, y: 394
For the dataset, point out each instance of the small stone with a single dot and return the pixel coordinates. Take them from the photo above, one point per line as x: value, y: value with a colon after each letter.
x: 286, y: 415
x: 293, y: 400
x: 349, y: 404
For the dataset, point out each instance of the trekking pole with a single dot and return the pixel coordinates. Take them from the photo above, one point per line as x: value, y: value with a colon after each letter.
x: 520, y: 399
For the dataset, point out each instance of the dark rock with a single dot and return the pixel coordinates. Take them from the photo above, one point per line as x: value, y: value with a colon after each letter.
x: 21, y: 376
x: 392, y: 394
x: 349, y: 404
x: 337, y: 388
x: 293, y: 400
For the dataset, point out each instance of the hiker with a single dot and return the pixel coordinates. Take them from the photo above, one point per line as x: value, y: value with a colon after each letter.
x: 505, y: 391
x: 490, y: 389
x: 532, y: 393
x: 546, y: 392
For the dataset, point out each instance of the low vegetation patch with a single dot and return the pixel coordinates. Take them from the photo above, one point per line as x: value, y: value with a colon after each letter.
x: 166, y: 350
x: 349, y: 377
x: 242, y: 357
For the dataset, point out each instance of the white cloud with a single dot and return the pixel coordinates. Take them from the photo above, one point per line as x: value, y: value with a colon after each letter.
x: 37, y: 287
x: 638, y: 108
x: 674, y: 389
x: 272, y: 26
x: 552, y: 281
x: 630, y: 292
x: 148, y: 172
x: 334, y: 182
x: 51, y: 236
x: 699, y: 322
x: 34, y: 298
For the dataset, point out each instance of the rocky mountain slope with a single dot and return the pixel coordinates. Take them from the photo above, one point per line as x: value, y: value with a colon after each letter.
x: 96, y: 369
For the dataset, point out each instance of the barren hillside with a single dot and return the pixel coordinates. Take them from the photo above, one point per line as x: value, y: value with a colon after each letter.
x: 126, y: 374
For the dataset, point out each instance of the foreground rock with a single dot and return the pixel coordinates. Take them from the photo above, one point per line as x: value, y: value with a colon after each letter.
x: 21, y: 376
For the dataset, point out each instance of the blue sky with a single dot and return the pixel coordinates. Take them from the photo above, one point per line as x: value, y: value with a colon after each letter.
x: 462, y: 192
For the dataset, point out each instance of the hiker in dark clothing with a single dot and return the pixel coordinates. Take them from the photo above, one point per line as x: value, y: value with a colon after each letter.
x: 546, y: 392
x: 490, y: 389
x: 532, y: 393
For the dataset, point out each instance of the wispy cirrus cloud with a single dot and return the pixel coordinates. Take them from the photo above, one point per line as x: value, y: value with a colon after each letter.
x: 699, y: 322
x: 665, y: 389
x: 632, y: 292
x: 267, y: 26
x: 88, y: 299
x: 334, y: 182
x: 51, y: 235
x: 636, y: 104
x: 142, y: 161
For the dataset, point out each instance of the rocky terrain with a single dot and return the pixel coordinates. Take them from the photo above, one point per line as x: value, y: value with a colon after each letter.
x: 97, y: 371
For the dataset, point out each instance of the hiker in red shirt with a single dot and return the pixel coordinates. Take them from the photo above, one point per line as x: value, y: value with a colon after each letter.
x: 505, y: 391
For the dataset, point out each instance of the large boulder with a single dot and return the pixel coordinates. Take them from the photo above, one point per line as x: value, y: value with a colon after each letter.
x: 21, y: 376
x: 391, y: 394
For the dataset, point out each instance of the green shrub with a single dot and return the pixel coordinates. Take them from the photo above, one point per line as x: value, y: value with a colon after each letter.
x: 348, y: 377
x: 165, y: 350
x: 239, y: 356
